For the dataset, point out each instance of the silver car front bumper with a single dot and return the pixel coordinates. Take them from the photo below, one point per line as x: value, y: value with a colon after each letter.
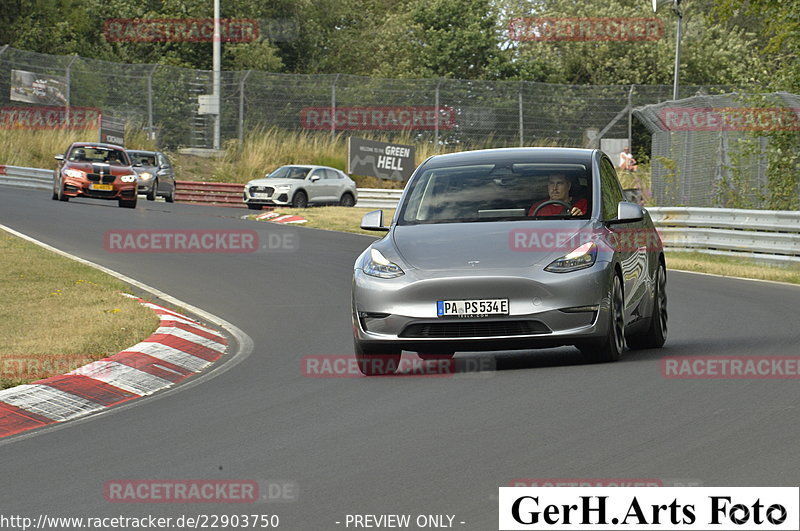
x: 558, y: 309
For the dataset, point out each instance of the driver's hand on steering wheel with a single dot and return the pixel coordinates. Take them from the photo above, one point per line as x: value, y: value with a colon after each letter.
x: 576, y: 211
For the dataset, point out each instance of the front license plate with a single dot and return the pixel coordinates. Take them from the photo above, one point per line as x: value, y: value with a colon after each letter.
x: 260, y: 195
x: 106, y: 187
x: 472, y: 307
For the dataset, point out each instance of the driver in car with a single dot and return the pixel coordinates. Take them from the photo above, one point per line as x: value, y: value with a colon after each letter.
x: 558, y: 187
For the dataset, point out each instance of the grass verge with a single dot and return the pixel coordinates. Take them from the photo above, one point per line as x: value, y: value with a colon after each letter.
x: 732, y: 267
x: 58, y: 314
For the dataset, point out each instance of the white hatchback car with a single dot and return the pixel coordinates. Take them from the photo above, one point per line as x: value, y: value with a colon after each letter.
x: 300, y: 186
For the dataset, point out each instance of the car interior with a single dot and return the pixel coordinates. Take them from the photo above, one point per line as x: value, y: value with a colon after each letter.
x: 490, y: 191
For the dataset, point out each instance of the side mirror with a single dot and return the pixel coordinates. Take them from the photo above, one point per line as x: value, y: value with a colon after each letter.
x: 59, y: 157
x: 628, y: 213
x: 314, y: 178
x: 373, y: 221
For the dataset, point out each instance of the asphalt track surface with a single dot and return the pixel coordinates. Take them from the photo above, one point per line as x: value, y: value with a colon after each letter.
x: 396, y: 445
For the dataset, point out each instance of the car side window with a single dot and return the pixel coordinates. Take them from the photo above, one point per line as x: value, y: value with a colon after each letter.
x: 331, y: 174
x: 319, y: 173
x: 611, y: 193
x: 163, y: 161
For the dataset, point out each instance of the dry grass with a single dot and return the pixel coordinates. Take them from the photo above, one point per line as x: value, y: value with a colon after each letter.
x: 36, y: 148
x: 732, y: 267
x: 58, y: 314
x: 342, y: 219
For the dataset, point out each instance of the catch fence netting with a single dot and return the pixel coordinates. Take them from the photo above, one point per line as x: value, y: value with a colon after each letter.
x: 165, y: 101
x: 728, y: 150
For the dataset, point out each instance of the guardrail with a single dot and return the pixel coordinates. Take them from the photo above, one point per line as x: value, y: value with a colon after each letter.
x: 22, y: 177
x: 378, y: 198
x: 771, y: 235
x: 214, y: 194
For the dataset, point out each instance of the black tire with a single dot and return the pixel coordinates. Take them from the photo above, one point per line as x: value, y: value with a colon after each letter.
x: 610, y: 348
x: 171, y: 197
x: 300, y: 200
x: 251, y: 206
x: 151, y: 195
x: 55, y: 196
x: 347, y: 200
x: 378, y: 361
x: 123, y: 203
x: 656, y: 334
x: 60, y: 195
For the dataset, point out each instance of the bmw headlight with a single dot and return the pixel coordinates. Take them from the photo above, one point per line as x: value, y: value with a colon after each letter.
x: 77, y: 174
x: 146, y: 175
x: 377, y: 265
x: 581, y: 258
x: 128, y: 178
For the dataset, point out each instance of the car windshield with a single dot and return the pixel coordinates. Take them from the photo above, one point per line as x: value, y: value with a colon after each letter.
x: 289, y: 172
x: 98, y: 154
x: 494, y: 192
x: 145, y: 159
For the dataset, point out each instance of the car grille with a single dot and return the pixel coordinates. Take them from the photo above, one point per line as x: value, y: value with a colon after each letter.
x: 262, y: 190
x: 466, y: 329
x: 95, y: 178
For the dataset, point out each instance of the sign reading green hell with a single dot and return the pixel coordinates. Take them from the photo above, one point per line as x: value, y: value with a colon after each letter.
x: 380, y: 159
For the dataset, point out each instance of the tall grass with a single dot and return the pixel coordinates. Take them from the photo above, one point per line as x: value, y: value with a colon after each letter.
x: 36, y: 148
x: 262, y: 151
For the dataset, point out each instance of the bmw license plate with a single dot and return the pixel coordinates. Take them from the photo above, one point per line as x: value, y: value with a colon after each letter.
x: 106, y: 187
x: 472, y: 308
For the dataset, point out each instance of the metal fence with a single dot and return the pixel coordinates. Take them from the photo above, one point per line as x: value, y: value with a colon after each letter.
x: 713, y: 151
x: 164, y: 100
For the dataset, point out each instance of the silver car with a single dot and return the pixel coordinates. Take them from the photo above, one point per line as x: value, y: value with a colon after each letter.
x: 507, y: 249
x: 300, y: 186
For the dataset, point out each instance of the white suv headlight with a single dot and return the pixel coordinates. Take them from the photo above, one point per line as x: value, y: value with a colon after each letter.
x: 581, y: 258
x: 377, y: 265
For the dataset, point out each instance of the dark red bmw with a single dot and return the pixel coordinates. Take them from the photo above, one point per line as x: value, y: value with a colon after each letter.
x: 100, y: 171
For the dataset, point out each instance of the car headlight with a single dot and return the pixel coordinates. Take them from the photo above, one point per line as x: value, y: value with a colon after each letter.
x: 128, y: 178
x: 283, y: 187
x: 377, y: 265
x: 146, y: 175
x: 77, y: 174
x: 581, y: 258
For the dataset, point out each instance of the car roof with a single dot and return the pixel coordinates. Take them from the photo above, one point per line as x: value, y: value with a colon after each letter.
x: 96, y: 144
x: 143, y: 151
x: 510, y: 155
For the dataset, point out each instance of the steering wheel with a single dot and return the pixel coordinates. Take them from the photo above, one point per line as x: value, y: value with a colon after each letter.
x: 567, y: 206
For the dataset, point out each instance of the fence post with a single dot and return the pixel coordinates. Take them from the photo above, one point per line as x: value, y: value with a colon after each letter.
x: 436, y: 122
x: 630, y: 119
x: 69, y: 88
x: 5, y: 47
x: 521, y: 135
x: 241, y: 106
x: 150, y: 102
x: 333, y: 107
